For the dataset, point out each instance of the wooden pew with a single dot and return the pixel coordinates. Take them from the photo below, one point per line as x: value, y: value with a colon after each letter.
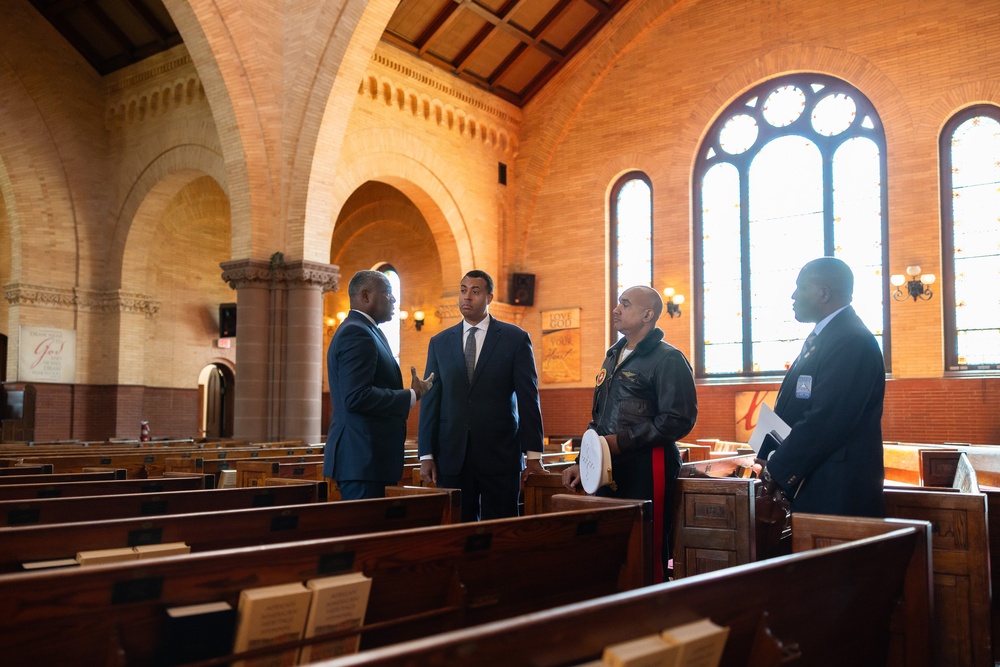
x: 454, y: 513
x: 253, y: 473
x: 210, y: 466
x: 961, y: 570
x: 714, y: 524
x: 825, y: 607
x: 61, y: 478
x: 716, y: 527
x: 105, y: 487
x: 424, y: 581
x: 34, y: 469
x: 213, y: 530
x: 92, y: 508
x: 151, y: 462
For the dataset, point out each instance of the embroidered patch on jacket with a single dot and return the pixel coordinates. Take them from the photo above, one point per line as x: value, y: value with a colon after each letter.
x: 600, y: 376
x: 631, y: 376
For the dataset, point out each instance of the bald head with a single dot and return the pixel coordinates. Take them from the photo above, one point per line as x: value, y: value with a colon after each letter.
x: 824, y: 286
x: 638, y: 309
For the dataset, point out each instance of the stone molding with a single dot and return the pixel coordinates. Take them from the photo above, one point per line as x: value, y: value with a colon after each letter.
x: 84, y: 300
x: 245, y: 273
x: 409, y: 91
x: 153, y: 92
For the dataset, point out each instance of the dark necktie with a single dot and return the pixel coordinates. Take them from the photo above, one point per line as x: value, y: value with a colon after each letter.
x: 808, y: 346
x: 470, y: 353
x: 381, y: 335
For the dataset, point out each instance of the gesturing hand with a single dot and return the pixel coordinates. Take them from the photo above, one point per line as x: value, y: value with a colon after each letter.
x: 420, y: 386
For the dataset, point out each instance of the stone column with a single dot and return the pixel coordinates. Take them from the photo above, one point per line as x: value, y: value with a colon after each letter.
x: 279, y: 347
x: 304, y: 354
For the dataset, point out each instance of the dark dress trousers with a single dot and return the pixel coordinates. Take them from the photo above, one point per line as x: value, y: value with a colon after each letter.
x: 831, y: 462
x: 370, y: 406
x: 480, y: 430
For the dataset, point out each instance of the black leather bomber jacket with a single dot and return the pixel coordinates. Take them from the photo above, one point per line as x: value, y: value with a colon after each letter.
x: 649, y: 399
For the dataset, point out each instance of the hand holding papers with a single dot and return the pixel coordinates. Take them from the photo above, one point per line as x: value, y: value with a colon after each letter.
x: 770, y: 431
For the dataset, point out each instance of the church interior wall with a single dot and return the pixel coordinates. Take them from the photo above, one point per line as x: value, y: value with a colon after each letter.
x: 417, y: 187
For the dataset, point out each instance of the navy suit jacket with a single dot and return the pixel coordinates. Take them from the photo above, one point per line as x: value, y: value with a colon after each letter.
x: 499, y: 411
x: 368, y: 424
x: 832, y: 399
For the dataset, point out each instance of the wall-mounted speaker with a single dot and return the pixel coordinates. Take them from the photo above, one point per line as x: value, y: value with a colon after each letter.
x: 522, y: 289
x: 227, y: 320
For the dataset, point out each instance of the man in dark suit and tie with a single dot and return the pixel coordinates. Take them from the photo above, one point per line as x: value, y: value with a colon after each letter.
x: 364, y: 448
x: 831, y: 461
x: 482, y: 415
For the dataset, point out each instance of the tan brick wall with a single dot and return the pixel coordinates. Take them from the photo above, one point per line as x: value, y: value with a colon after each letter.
x: 142, y: 183
x: 651, y: 105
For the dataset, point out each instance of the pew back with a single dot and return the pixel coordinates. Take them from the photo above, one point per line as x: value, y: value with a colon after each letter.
x: 769, y: 607
x: 228, y: 529
x: 92, y: 508
x: 425, y: 580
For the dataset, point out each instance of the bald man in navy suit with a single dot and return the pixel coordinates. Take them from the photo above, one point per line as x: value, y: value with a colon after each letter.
x: 831, y: 461
x: 364, y: 448
x: 481, y: 423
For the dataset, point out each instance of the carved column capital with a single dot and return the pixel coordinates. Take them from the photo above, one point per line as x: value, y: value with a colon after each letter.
x: 325, y: 276
x: 260, y: 273
x: 247, y: 273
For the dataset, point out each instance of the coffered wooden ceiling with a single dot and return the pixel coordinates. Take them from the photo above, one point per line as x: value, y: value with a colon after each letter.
x: 510, y: 48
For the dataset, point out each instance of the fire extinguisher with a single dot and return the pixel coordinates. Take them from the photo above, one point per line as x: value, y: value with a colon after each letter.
x: 144, y: 431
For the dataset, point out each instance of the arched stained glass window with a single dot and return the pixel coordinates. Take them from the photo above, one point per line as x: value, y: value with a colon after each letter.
x: 794, y: 169
x: 631, y: 234
x: 970, y: 214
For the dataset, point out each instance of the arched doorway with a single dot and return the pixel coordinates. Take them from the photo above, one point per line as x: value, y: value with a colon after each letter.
x: 215, y: 401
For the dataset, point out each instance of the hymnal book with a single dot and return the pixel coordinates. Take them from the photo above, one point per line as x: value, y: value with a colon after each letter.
x: 166, y: 549
x: 100, y: 556
x: 48, y: 564
x: 648, y: 651
x: 338, y: 603
x: 197, y: 632
x: 700, y: 643
x: 227, y: 479
x: 769, y: 432
x: 271, y: 615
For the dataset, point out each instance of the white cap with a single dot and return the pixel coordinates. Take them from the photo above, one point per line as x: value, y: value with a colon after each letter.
x: 595, y: 462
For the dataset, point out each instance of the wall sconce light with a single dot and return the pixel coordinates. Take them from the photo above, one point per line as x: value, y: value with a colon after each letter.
x: 332, y: 324
x: 916, y: 288
x: 418, y: 319
x: 674, y: 302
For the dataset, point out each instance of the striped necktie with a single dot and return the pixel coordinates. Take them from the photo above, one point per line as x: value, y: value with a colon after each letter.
x: 808, y: 346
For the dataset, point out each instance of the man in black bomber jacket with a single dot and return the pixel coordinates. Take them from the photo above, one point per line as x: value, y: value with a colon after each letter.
x: 644, y: 401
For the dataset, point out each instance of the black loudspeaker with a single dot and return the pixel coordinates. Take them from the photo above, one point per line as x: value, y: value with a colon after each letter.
x: 522, y: 289
x: 227, y: 320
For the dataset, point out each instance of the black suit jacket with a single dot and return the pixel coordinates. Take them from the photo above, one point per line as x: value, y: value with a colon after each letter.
x: 832, y: 399
x: 499, y: 411
x: 368, y: 425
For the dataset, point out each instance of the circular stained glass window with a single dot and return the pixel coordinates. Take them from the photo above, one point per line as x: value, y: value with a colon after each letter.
x: 738, y: 134
x: 784, y: 106
x: 833, y: 114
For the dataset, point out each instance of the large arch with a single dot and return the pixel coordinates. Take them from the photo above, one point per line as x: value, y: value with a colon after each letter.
x: 368, y: 157
x: 274, y: 87
x: 157, y: 184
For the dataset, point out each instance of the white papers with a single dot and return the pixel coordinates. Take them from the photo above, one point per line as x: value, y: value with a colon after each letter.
x: 767, y: 421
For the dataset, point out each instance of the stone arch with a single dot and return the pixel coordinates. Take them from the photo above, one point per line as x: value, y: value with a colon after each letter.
x: 136, y: 221
x: 382, y: 156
